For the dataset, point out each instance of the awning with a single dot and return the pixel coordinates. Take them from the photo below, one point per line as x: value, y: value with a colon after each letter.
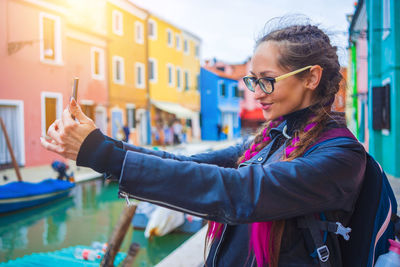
x: 228, y: 108
x: 174, y: 108
x: 255, y: 114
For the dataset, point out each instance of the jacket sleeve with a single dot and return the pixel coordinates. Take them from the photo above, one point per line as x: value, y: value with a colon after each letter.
x: 328, y: 178
x: 226, y: 157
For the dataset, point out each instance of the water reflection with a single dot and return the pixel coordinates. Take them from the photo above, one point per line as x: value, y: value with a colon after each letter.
x: 88, y: 215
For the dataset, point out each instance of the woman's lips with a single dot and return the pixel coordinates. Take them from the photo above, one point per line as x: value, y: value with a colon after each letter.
x: 265, y: 106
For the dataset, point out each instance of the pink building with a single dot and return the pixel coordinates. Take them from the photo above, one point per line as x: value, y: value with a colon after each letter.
x: 40, y: 53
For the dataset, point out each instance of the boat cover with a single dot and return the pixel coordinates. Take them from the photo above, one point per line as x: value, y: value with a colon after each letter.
x: 25, y: 189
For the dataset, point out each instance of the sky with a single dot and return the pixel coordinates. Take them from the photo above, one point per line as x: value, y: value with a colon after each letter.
x: 229, y: 28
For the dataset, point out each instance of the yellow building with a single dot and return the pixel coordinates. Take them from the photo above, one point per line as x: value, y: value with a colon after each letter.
x: 127, y: 65
x: 174, y: 68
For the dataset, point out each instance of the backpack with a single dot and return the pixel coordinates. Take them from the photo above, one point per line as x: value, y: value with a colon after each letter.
x: 373, y: 222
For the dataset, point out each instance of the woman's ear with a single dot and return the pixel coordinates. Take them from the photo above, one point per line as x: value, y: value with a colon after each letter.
x: 314, y: 77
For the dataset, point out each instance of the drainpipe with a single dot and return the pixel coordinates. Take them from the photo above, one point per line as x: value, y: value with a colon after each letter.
x: 355, y: 92
x: 146, y: 52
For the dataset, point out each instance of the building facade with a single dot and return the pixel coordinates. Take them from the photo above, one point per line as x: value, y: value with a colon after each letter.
x: 377, y: 99
x: 219, y: 105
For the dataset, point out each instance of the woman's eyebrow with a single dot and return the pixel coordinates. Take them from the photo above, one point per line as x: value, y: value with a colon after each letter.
x: 264, y: 73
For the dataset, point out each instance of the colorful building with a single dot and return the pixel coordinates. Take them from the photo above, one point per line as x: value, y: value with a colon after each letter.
x: 127, y: 64
x: 174, y: 69
x: 374, y: 34
x: 34, y: 81
x: 219, y: 104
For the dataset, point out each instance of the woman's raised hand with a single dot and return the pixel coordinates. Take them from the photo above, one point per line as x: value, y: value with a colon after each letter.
x: 66, y: 135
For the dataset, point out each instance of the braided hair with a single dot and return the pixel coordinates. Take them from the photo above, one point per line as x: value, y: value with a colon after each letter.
x: 299, y: 46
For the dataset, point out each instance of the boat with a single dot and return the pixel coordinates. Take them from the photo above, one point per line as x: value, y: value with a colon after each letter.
x: 63, y: 257
x: 159, y: 221
x: 20, y: 195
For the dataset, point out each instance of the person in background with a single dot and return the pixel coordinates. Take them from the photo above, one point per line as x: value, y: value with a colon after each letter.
x: 127, y: 132
x: 253, y: 193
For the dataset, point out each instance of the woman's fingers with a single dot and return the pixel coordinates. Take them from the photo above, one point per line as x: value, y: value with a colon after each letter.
x: 51, y: 146
x: 76, y: 110
x: 53, y: 131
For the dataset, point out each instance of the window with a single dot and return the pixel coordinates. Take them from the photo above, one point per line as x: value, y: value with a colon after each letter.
x: 386, y: 18
x: 51, y: 104
x: 198, y: 82
x: 170, y: 74
x: 152, y: 29
x: 118, y: 70
x: 97, y: 58
x: 139, y: 32
x: 152, y: 70
x: 197, y: 51
x: 178, y: 78
x: 186, y: 46
x: 241, y: 94
x: 169, y: 37
x: 50, y: 38
x: 131, y: 116
x: 186, y: 80
x: 222, y: 87
x: 178, y: 42
x: 139, y: 68
x: 88, y: 109
x: 117, y: 23
x: 235, y: 91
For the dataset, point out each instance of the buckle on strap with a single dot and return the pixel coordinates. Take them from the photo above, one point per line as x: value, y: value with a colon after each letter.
x: 343, y: 231
x: 323, y: 253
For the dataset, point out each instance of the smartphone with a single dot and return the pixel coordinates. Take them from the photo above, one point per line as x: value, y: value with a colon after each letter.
x: 75, y: 91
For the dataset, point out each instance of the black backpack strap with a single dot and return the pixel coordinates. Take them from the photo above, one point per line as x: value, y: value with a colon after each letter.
x: 313, y: 226
x: 332, y: 227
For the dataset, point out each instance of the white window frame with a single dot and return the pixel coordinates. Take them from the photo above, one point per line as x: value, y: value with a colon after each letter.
x: 119, y: 31
x: 172, y: 82
x: 179, y: 75
x: 59, y: 99
x: 178, y: 41
x: 154, y: 35
x: 386, y: 23
x: 57, y: 39
x: 114, y: 60
x: 170, y: 41
x: 131, y: 106
x: 155, y: 72
x: 139, y: 26
x: 186, y: 47
x: 220, y: 82
x: 188, y: 80
x: 142, y: 76
x: 100, y: 75
x: 19, y: 104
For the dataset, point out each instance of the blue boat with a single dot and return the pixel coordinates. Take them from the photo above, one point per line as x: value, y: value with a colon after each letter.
x: 19, y: 195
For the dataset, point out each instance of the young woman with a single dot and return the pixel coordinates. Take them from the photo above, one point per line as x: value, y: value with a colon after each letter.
x: 253, y: 194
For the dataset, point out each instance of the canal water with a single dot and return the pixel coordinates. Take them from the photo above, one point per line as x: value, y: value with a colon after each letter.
x: 88, y: 214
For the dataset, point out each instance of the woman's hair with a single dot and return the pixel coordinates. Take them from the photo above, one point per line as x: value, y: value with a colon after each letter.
x: 299, y: 46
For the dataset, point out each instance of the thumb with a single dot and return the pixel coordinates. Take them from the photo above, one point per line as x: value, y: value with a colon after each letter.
x: 77, y: 112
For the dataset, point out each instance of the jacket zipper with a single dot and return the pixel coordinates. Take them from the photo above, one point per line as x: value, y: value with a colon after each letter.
x: 218, y: 245
x: 127, y: 196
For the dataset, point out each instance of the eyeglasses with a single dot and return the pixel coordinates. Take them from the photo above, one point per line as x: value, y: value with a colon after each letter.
x: 267, y: 83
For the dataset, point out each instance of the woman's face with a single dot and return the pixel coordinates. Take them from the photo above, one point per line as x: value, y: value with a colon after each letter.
x: 289, y: 95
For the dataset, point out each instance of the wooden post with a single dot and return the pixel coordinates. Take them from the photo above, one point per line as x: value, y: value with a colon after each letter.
x: 132, y: 253
x: 14, y: 161
x: 118, y: 236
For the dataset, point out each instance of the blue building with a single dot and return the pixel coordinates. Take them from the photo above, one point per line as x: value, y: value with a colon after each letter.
x: 219, y: 106
x: 382, y: 33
